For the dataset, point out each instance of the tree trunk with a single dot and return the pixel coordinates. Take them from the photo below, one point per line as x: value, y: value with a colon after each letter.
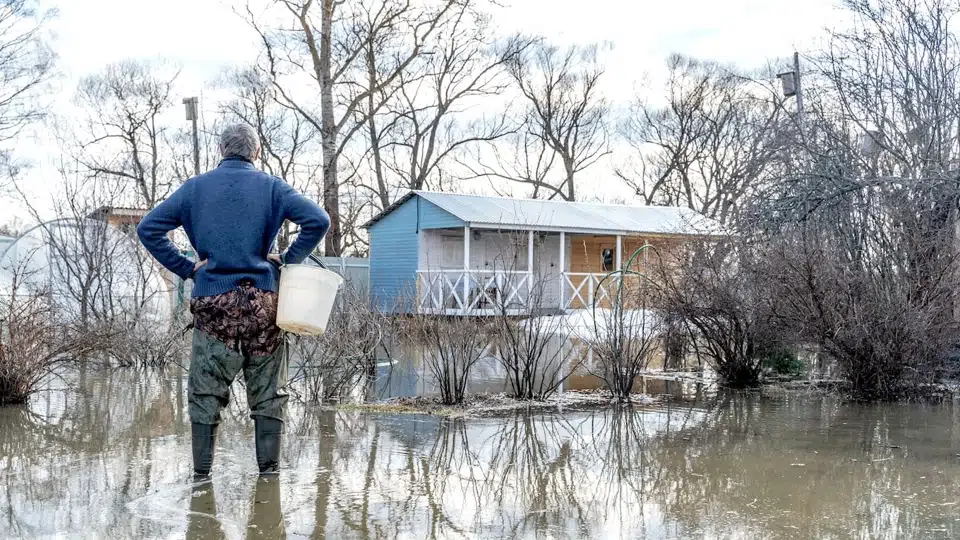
x: 331, y: 191
x: 569, y: 167
x: 382, y: 191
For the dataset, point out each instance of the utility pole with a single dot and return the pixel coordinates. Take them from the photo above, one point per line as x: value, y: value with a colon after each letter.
x: 790, y: 81
x: 191, y: 106
x: 796, y: 71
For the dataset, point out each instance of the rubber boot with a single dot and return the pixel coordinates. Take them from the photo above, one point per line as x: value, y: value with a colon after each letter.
x: 204, y: 444
x: 269, y: 431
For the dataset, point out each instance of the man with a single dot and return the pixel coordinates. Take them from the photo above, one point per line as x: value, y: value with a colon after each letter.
x: 232, y: 215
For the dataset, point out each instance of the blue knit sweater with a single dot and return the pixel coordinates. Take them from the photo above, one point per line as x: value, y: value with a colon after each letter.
x: 232, y: 215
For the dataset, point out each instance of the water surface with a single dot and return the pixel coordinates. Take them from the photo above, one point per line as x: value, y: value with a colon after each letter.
x: 108, y: 456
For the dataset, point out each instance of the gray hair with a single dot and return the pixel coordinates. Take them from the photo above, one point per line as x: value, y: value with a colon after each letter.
x: 239, y: 140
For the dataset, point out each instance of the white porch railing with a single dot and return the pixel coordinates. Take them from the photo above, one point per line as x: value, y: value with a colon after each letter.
x: 487, y: 292
x: 474, y: 292
x: 581, y: 290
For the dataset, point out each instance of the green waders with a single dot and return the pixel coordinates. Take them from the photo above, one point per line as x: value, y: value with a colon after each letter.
x: 212, y: 370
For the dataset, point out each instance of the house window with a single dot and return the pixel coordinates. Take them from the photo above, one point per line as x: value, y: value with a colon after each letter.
x: 606, y: 260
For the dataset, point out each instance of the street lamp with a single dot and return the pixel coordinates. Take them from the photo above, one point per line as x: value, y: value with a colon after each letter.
x: 191, y: 108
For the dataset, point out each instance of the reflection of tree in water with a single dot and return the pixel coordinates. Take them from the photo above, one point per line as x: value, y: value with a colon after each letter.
x: 724, y: 468
x: 75, y: 445
x: 778, y: 467
x: 531, y: 470
x: 510, y: 478
x: 717, y: 468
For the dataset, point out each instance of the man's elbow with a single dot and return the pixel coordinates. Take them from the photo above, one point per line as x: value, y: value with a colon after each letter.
x: 320, y: 223
x: 143, y: 232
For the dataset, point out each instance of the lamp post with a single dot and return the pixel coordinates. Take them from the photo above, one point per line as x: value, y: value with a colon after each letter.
x: 191, y: 107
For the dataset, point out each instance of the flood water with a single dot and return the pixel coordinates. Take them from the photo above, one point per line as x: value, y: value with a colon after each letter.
x: 108, y: 456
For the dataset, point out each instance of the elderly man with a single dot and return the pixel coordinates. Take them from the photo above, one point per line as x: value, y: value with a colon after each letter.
x: 232, y: 215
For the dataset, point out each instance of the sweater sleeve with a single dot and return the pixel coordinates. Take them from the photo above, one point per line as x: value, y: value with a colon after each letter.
x: 153, y: 231
x: 312, y: 219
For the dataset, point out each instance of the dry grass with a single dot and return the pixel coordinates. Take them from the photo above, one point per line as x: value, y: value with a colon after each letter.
x: 486, y: 405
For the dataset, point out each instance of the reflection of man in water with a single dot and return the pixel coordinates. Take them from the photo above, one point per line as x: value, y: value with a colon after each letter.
x: 232, y: 215
x: 266, y: 516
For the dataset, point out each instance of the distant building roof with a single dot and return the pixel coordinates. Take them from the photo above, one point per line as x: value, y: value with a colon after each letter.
x: 99, y: 213
x: 541, y: 215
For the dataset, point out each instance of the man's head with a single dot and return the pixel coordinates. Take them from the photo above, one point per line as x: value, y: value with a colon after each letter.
x: 240, y: 140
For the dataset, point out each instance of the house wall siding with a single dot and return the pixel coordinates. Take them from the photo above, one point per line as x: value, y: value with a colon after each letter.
x: 432, y: 216
x: 394, y: 248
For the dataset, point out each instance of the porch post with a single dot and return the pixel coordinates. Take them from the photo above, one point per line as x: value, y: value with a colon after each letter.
x: 563, y: 266
x: 529, y: 267
x: 619, y: 253
x: 530, y: 252
x: 466, y: 270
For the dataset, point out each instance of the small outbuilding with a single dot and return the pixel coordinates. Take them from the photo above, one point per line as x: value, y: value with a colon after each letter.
x: 452, y: 254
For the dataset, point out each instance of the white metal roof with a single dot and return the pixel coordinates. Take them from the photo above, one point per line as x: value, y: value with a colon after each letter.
x: 528, y: 214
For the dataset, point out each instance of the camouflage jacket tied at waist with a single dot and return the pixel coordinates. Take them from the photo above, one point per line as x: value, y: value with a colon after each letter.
x: 244, y: 319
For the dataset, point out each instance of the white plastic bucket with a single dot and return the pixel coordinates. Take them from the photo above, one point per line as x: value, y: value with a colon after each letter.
x: 307, y: 294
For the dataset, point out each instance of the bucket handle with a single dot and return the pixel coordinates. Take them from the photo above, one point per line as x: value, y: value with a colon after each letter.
x: 313, y: 258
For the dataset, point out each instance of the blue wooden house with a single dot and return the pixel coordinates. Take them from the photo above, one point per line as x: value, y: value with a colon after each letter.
x: 451, y: 254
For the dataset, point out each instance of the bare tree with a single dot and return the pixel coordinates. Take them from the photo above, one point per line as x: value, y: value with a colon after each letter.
x: 98, y: 277
x: 714, y: 141
x: 123, y: 134
x: 563, y: 108
x: 519, y: 157
x: 427, y: 121
x: 858, y: 242
x: 26, y: 65
x: 327, y: 48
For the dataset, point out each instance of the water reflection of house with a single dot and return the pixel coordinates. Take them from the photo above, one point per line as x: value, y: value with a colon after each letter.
x: 466, y: 255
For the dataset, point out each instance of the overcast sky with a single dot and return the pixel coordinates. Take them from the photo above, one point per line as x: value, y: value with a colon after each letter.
x: 205, y: 36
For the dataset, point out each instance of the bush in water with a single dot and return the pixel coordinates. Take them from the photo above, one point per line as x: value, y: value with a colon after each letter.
x: 33, y: 344
x: 450, y: 348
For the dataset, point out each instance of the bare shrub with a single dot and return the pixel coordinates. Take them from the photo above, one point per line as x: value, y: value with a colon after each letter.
x: 531, y: 346
x: 709, y: 289
x: 98, y: 276
x: 34, y: 344
x: 334, y: 366
x: 626, y: 335
x: 150, y: 346
x: 450, y: 347
x: 624, y: 341
x: 870, y: 279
